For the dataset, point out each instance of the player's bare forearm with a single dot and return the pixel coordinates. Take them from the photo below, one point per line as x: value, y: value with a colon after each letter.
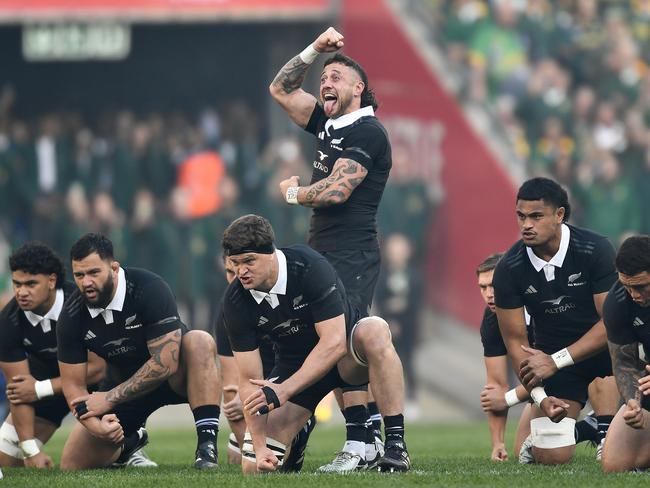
x: 625, y: 364
x: 497, y: 424
x: 590, y: 344
x: 162, y: 364
x: 290, y: 77
x: 23, y: 417
x: 513, y: 330
x: 346, y: 175
x: 330, y: 348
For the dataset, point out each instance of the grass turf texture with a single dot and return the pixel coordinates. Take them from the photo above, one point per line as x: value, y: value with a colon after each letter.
x: 441, y: 455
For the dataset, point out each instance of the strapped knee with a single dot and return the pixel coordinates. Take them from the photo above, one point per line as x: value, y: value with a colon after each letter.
x: 248, y: 452
x: 10, y: 443
x: 547, y: 434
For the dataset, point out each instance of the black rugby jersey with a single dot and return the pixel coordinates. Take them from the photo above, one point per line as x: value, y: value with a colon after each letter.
x: 361, y: 137
x: 20, y: 340
x: 314, y: 293
x: 563, y: 309
x: 148, y: 311
x: 223, y: 344
x: 626, y: 322
x: 492, y: 339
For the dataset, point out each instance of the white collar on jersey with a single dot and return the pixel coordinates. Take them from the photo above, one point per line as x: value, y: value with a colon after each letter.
x: 347, y: 119
x: 117, y: 303
x: 52, y: 314
x: 280, y: 287
x: 557, y: 260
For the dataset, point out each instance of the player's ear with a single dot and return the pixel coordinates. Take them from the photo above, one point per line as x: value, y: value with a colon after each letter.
x: 115, y: 266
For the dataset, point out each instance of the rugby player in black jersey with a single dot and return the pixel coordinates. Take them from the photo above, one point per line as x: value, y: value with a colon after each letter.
x: 233, y: 408
x: 129, y: 317
x: 496, y: 397
x: 294, y: 295
x: 28, y: 356
x: 627, y: 318
x: 351, y: 165
x: 561, y: 274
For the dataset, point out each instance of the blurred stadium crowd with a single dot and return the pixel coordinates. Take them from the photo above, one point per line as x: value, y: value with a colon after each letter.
x: 568, y: 83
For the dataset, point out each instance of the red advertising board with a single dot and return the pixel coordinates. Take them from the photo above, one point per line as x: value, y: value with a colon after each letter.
x: 476, y: 216
x: 16, y: 10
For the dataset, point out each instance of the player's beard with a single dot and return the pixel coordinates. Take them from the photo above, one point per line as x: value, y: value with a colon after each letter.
x: 104, y: 294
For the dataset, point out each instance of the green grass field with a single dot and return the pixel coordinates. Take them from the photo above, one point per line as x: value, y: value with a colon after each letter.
x: 442, y: 455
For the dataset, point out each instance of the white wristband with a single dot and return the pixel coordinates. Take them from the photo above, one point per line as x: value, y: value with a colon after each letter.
x: 538, y: 394
x: 512, y: 398
x: 44, y: 388
x: 309, y: 54
x: 29, y: 448
x: 562, y: 358
x: 292, y: 195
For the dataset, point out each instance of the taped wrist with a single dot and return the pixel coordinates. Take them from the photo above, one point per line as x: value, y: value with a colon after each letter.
x: 81, y: 409
x: 43, y: 389
x: 272, y: 400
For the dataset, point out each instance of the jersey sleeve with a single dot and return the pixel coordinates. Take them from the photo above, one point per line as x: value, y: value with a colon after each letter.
x: 316, y: 120
x: 321, y: 290
x: 617, y: 321
x: 159, y: 310
x: 493, y: 344
x: 603, y: 271
x: 505, y: 291
x: 364, y: 145
x: 70, y: 344
x: 11, y: 347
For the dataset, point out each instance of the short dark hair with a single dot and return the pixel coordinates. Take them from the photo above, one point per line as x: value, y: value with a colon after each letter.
x: 37, y: 258
x: 247, y: 232
x: 549, y: 191
x: 367, y: 95
x: 489, y: 263
x: 90, y: 243
x: 633, y: 257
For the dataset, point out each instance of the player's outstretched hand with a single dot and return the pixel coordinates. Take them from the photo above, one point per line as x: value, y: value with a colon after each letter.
x: 269, y: 396
x: 41, y: 461
x: 329, y: 41
x: 633, y: 414
x: 95, y: 405
x: 536, y: 367
x: 554, y: 408
x: 21, y: 389
x: 493, y: 399
x: 233, y: 409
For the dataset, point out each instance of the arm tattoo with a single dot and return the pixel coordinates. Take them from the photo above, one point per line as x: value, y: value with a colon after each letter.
x: 346, y: 175
x: 164, y: 350
x: 625, y: 363
x: 291, y: 75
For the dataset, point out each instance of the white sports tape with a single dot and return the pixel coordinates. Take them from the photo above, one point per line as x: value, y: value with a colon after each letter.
x: 512, y: 398
x: 538, y: 394
x: 30, y: 448
x: 562, y: 358
x: 44, y: 389
x: 10, y: 443
x: 276, y: 447
x: 547, y: 434
x: 309, y: 54
x: 292, y: 195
